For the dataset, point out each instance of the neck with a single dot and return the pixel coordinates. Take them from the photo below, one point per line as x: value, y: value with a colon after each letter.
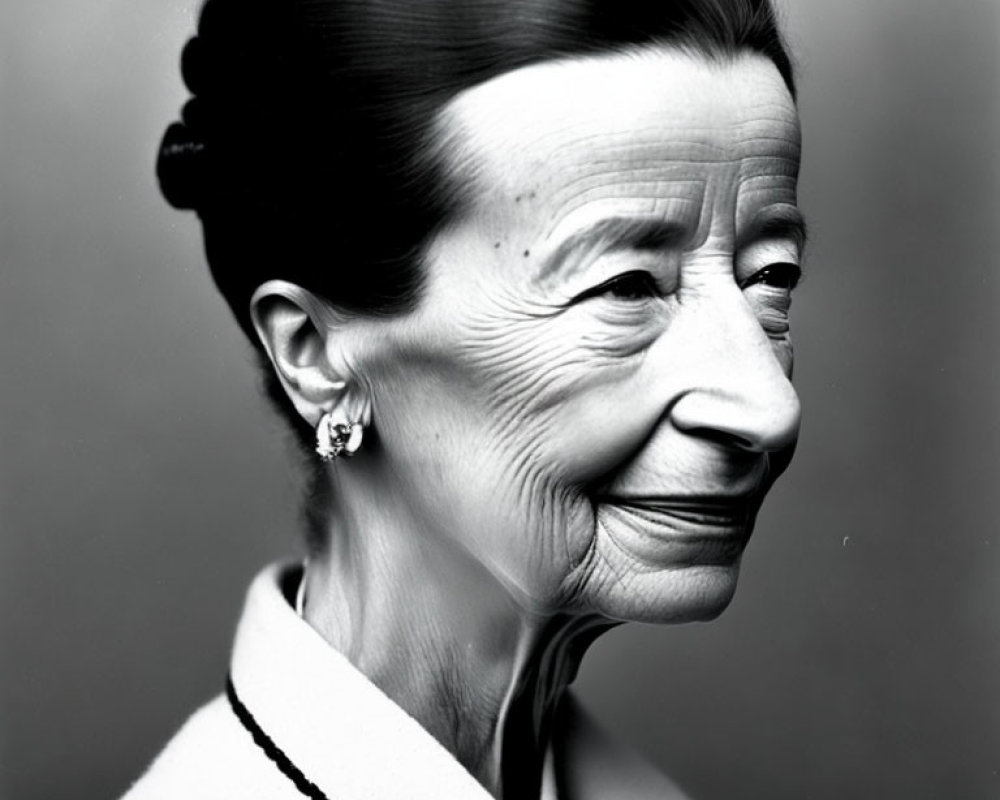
x: 444, y: 639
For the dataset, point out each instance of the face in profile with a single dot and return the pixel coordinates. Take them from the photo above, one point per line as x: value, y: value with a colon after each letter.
x: 593, y: 395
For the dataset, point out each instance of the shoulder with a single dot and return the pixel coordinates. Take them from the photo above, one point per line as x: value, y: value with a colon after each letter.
x: 595, y: 766
x: 212, y: 756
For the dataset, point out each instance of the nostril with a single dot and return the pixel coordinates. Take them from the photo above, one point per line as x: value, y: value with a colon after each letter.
x: 737, y: 422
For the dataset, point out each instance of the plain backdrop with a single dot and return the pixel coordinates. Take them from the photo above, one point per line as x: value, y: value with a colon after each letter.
x: 144, y: 481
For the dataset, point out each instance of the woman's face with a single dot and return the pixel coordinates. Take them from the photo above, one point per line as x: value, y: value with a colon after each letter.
x: 593, y: 396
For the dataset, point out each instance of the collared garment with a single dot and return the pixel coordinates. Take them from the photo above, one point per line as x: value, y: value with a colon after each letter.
x: 301, y: 721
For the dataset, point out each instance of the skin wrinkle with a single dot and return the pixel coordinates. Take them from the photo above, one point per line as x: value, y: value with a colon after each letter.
x: 663, y: 129
x: 498, y: 344
x: 540, y: 391
x: 509, y: 417
x: 678, y: 159
x: 598, y: 181
x: 617, y: 573
x: 661, y: 132
x: 520, y: 358
x: 520, y: 391
x: 600, y: 189
x: 523, y: 468
x: 670, y: 150
x: 618, y: 355
x: 776, y: 221
x: 624, y: 575
x: 580, y: 251
x: 535, y: 486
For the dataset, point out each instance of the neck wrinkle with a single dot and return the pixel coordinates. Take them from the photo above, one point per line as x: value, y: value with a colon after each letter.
x: 444, y: 639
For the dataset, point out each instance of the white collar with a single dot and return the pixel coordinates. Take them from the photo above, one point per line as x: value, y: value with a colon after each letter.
x: 335, y: 725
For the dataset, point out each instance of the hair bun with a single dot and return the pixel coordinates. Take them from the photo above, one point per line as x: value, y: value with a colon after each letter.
x: 180, y: 167
x: 193, y: 70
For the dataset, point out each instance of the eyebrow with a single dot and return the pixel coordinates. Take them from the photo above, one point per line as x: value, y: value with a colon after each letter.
x: 783, y: 221
x: 616, y: 233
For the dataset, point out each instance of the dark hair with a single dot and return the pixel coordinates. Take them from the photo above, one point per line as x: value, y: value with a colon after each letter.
x: 307, y: 148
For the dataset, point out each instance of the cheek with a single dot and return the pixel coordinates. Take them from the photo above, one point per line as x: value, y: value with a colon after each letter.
x: 569, y: 396
x: 604, y: 420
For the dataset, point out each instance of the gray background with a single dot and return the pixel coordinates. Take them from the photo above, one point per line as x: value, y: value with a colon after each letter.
x: 144, y: 481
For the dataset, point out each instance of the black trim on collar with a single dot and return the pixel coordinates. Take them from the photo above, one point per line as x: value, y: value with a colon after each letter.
x: 271, y: 750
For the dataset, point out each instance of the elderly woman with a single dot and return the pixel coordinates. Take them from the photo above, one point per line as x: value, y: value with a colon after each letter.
x: 528, y: 264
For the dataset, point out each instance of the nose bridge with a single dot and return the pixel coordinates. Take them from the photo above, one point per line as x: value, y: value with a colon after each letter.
x: 736, y: 389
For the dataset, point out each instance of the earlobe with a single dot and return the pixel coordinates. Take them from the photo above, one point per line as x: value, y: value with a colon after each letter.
x: 293, y: 326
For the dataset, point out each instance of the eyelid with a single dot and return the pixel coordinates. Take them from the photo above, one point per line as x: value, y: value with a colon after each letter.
x: 793, y: 270
x: 757, y: 255
x: 604, y: 286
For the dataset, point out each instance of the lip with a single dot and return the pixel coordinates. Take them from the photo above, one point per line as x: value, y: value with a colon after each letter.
x: 687, y: 519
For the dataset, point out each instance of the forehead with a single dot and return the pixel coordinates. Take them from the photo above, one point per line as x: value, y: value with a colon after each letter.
x: 654, y: 132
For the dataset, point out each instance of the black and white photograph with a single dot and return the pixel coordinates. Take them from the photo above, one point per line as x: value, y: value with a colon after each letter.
x: 499, y: 399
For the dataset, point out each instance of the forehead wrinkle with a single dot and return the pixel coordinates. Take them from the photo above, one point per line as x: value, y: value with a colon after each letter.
x: 599, y: 171
x: 745, y: 216
x: 740, y: 140
x: 752, y: 186
x: 662, y: 144
x: 665, y: 160
x: 777, y: 170
x: 672, y: 143
x: 754, y: 119
x: 713, y: 221
x: 659, y: 152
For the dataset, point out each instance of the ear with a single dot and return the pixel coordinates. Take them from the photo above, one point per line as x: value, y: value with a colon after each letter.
x: 299, y: 333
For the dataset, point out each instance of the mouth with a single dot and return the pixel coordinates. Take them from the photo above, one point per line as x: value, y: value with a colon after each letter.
x: 710, y: 512
x: 698, y: 529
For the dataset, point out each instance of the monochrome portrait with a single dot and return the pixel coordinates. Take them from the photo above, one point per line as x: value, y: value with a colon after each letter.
x: 513, y: 399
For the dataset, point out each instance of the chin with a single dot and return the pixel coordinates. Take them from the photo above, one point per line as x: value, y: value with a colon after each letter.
x: 704, y: 595
x: 692, y: 594
x: 665, y: 568
x: 686, y: 594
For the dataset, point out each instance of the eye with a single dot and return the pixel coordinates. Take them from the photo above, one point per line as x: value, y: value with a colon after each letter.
x: 783, y: 275
x: 634, y: 285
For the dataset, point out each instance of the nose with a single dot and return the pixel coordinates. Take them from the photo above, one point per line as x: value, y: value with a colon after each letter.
x: 739, y: 394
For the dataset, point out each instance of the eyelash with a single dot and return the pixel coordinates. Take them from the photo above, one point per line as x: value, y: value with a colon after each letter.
x: 783, y: 275
x: 633, y: 285
x: 640, y: 285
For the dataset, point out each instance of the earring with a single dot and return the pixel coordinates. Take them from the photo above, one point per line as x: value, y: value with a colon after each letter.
x: 334, y: 439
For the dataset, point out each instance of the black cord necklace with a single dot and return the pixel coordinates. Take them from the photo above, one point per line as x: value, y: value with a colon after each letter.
x: 271, y: 750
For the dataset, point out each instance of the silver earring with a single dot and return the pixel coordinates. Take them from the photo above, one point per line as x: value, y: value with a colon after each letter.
x: 335, y: 439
